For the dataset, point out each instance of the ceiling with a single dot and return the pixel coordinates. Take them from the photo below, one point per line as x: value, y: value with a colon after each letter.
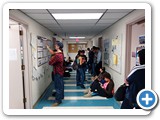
x: 66, y: 28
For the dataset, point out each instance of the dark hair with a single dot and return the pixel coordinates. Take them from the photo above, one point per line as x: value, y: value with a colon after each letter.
x: 79, y: 51
x: 103, y: 69
x: 60, y: 44
x: 141, y: 55
x: 107, y: 75
x: 83, y: 51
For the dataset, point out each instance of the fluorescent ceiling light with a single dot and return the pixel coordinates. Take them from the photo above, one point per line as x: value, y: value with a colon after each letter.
x: 63, y: 16
x: 76, y: 37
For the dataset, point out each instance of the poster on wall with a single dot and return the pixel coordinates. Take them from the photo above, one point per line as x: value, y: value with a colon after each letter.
x: 112, y: 53
x: 142, y: 39
x: 106, y: 52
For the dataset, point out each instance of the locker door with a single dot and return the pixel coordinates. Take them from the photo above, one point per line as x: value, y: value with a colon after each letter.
x: 15, y: 72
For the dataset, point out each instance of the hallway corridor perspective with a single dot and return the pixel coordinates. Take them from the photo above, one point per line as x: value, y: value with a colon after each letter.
x: 73, y: 96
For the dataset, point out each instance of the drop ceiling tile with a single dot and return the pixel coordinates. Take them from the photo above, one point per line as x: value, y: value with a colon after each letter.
x: 107, y: 20
x: 102, y: 24
x: 38, y: 11
x: 113, y: 15
x: 119, y: 10
x: 40, y: 16
x: 49, y: 21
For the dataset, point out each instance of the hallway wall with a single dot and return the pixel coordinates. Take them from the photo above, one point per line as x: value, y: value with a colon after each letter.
x: 37, y: 87
x: 72, y: 55
x: 119, y: 28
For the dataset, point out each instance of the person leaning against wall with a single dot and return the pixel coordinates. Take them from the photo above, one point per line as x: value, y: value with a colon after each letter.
x: 135, y: 82
x: 58, y: 70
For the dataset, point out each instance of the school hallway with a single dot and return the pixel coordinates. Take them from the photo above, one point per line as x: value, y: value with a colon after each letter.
x: 114, y: 36
x: 73, y: 97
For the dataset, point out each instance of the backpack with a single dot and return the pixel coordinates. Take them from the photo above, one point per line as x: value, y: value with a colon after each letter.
x: 120, y: 93
x: 75, y: 65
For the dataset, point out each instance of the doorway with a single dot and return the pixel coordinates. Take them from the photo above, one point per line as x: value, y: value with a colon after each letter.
x: 18, y: 66
x: 134, y: 30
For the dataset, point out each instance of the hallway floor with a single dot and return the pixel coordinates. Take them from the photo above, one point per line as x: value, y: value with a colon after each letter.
x: 74, y: 96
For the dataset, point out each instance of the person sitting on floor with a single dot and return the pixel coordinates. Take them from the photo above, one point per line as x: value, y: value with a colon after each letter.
x: 105, y: 89
x: 98, y: 78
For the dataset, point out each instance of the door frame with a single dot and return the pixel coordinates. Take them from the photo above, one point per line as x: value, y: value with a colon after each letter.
x: 27, y: 74
x: 128, y: 44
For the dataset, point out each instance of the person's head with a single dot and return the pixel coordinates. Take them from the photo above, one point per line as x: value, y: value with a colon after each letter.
x: 141, y: 55
x: 94, y: 49
x: 88, y: 49
x: 81, y: 52
x: 58, y: 45
x: 107, y: 76
x: 97, y: 49
x: 102, y: 69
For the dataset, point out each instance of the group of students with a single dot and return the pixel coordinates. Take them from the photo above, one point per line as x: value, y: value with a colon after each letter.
x: 95, y: 60
x: 102, y: 84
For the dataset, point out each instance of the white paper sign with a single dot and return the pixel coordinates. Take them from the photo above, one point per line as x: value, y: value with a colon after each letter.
x: 13, y: 54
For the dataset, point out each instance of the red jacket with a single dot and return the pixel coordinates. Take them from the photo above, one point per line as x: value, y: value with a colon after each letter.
x: 57, y: 62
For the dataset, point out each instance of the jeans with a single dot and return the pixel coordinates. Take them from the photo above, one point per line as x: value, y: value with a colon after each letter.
x: 93, y: 69
x: 80, y: 76
x: 59, y: 87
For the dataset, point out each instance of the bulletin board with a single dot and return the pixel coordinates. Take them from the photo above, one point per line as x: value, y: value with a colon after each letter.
x: 112, y: 53
x: 43, y: 54
x: 40, y: 56
x: 72, y: 48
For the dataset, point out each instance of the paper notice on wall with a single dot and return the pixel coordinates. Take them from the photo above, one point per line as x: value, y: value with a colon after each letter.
x: 13, y: 54
x: 115, y: 41
x: 115, y: 59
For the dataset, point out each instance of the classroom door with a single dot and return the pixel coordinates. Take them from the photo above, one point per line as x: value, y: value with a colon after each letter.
x: 15, y: 73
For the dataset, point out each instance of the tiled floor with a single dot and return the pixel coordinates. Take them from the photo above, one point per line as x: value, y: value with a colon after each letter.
x: 74, y: 97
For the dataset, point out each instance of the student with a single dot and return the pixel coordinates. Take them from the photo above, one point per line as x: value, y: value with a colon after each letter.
x: 57, y: 62
x: 98, y: 78
x: 90, y: 59
x: 99, y: 60
x: 135, y: 82
x: 105, y: 90
x: 81, y: 62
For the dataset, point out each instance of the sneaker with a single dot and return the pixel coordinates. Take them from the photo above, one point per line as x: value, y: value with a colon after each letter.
x: 86, y: 91
x: 56, y: 104
x: 88, y: 95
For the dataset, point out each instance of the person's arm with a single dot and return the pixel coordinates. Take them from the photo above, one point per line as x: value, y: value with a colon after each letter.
x: 55, y: 59
x: 50, y: 50
x: 99, y: 57
x: 109, y: 88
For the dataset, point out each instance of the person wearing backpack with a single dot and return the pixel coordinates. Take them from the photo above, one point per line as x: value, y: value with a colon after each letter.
x: 135, y: 82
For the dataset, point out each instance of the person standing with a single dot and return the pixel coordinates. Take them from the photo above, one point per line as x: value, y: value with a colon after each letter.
x: 99, y: 60
x: 57, y: 62
x: 81, y: 62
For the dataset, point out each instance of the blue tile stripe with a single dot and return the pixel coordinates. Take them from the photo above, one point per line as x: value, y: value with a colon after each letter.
x: 44, y: 102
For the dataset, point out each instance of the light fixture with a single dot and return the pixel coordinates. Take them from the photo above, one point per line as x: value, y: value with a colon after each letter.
x: 63, y: 16
x: 76, y: 37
